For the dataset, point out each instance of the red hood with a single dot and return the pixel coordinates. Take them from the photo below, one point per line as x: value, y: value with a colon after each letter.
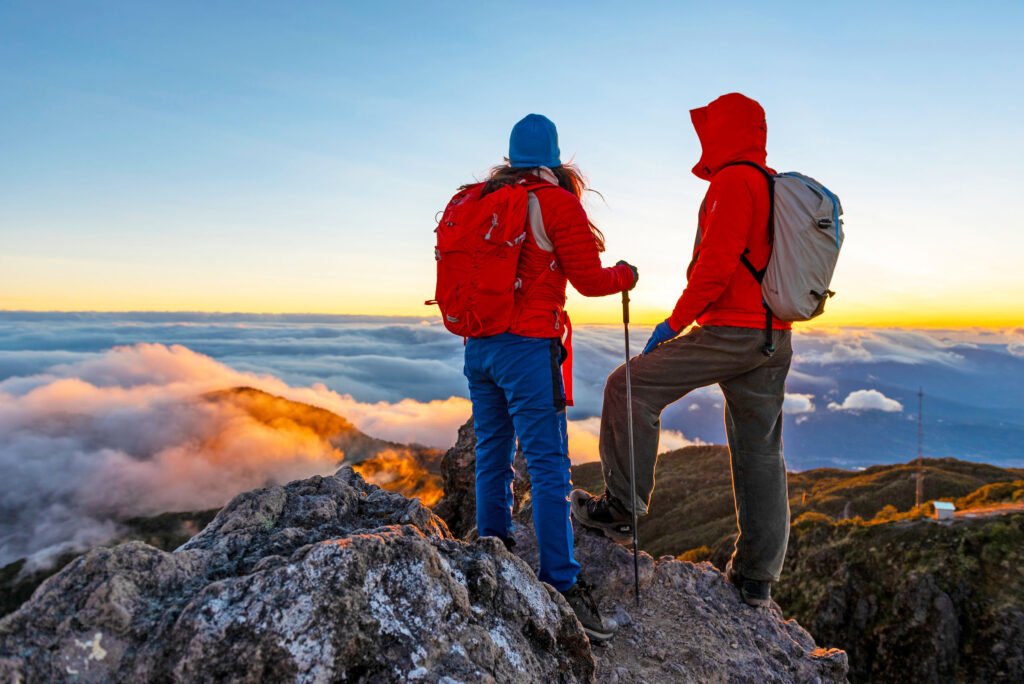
x: 732, y: 128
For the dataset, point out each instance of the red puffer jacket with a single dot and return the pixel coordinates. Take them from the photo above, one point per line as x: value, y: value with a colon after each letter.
x: 569, y: 253
x: 559, y: 248
x: 733, y: 219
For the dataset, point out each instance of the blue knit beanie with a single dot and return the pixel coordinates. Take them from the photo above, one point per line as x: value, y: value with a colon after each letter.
x: 534, y: 142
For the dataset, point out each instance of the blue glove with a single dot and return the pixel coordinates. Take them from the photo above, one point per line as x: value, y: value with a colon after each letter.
x: 663, y: 332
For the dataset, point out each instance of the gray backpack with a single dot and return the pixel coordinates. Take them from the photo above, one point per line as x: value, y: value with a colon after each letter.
x: 806, y: 234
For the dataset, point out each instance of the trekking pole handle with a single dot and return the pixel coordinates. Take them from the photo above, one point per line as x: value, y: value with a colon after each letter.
x: 625, y: 307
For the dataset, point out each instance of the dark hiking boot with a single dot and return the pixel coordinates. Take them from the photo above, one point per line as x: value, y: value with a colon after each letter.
x: 604, y: 513
x: 757, y: 593
x: 585, y: 607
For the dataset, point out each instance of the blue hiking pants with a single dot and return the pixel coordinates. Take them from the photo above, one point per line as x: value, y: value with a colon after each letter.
x: 515, y: 385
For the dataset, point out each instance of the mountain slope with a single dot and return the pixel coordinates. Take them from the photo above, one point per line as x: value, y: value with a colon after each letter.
x: 692, y: 505
x: 286, y: 415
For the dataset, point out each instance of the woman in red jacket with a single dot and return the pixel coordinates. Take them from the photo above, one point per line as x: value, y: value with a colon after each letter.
x: 515, y: 379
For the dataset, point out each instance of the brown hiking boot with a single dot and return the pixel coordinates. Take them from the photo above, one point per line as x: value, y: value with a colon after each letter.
x: 604, y: 513
x: 757, y: 593
x: 583, y: 604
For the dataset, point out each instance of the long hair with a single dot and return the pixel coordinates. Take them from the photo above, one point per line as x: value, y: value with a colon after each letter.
x: 569, y: 178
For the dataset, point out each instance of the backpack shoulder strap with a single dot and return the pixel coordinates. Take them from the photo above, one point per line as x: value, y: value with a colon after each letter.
x: 769, y: 347
x: 771, y: 194
x: 764, y: 172
x: 759, y: 273
x: 536, y: 220
x: 535, y: 216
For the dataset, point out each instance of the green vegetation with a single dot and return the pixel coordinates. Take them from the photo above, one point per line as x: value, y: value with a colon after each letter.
x: 697, y: 555
x: 996, y: 493
x: 913, y: 599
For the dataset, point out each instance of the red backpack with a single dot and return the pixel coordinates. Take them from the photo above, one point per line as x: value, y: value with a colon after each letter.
x: 479, y: 239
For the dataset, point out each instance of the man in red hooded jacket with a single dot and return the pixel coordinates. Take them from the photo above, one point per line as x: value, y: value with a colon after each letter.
x: 727, y: 347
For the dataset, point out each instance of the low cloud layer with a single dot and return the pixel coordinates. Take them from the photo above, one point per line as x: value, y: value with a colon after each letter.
x: 877, y: 346
x: 98, y: 417
x: 125, y: 433
x: 867, y: 400
x: 105, y: 437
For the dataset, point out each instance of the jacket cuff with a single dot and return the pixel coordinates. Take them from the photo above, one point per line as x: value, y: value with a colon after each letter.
x: 623, y: 276
x: 677, y: 323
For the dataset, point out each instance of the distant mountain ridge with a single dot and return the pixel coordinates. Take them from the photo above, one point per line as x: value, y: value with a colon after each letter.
x: 286, y: 414
x: 410, y: 469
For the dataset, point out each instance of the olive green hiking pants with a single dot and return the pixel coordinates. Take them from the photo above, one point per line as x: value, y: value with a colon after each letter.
x: 754, y: 388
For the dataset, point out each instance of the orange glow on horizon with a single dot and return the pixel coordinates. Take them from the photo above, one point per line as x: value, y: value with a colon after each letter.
x: 608, y: 314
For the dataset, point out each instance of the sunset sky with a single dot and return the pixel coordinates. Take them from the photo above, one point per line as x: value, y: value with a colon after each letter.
x: 279, y: 157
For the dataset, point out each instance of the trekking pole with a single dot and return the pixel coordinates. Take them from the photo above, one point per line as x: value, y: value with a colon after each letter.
x: 632, y: 457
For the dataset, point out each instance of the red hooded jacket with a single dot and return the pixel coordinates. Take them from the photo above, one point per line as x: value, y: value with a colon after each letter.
x: 733, y: 219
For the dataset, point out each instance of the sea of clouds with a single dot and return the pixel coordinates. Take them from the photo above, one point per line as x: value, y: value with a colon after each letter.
x: 100, y: 421
x: 99, y: 426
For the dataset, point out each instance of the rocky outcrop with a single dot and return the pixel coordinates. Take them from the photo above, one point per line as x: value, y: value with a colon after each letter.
x: 325, y: 579
x: 691, y: 625
x: 458, y: 506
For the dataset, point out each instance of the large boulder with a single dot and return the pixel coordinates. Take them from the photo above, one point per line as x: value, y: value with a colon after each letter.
x: 690, y: 625
x: 325, y: 579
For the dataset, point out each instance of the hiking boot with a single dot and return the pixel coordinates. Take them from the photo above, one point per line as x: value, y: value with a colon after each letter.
x: 583, y: 604
x: 604, y: 513
x: 757, y: 593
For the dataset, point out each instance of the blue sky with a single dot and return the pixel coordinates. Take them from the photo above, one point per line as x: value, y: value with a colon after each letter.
x: 272, y: 157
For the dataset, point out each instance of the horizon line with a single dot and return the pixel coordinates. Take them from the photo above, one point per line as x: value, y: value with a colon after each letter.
x: 804, y: 325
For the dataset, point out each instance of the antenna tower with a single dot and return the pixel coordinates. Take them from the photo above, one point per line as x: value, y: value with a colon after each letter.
x: 919, y: 489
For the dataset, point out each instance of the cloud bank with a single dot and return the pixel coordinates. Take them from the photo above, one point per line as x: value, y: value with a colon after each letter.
x: 104, y: 437
x: 824, y: 348
x: 98, y: 418
x: 125, y: 433
x: 867, y: 400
